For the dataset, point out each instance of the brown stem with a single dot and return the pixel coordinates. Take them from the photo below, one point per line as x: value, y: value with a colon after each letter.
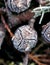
x: 45, y: 60
x: 6, y: 26
x: 44, y: 56
x: 36, y: 59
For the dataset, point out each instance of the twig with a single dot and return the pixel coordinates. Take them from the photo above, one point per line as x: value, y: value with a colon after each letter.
x: 36, y: 59
x: 6, y: 26
x: 39, y: 58
x: 44, y: 56
x: 45, y: 60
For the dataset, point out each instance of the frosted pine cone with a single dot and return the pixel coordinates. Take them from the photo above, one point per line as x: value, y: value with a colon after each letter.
x: 18, y: 5
x: 26, y: 38
x: 46, y: 32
